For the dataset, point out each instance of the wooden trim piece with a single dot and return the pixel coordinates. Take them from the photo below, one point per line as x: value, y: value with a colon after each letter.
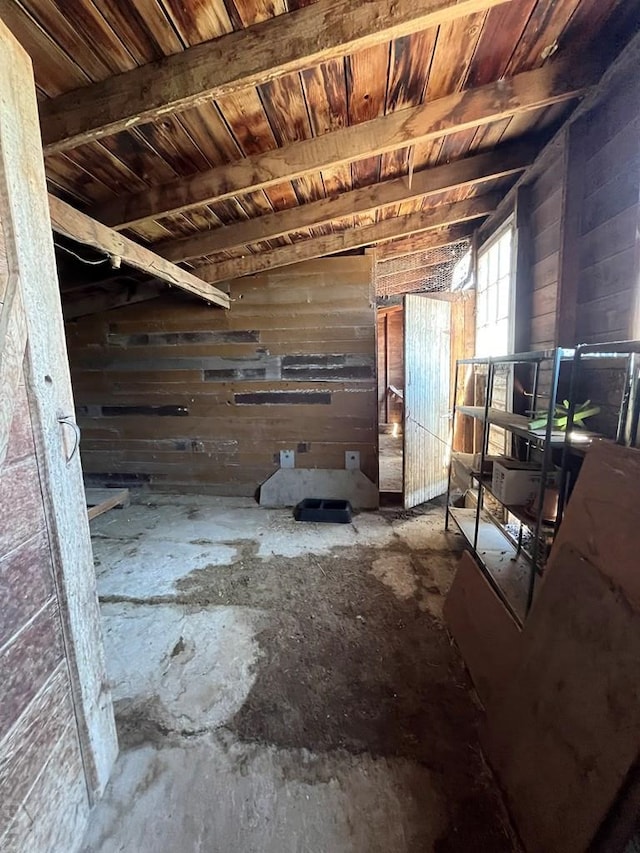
x: 13, y: 339
x: 544, y: 86
x: 327, y: 29
x: 495, y: 164
x: 354, y: 238
x: 72, y: 223
x: 570, y: 231
x: 50, y: 397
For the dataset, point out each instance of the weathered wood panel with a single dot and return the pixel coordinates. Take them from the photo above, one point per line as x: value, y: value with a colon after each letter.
x: 390, y: 364
x: 608, y: 229
x: 546, y: 201
x: 188, y: 398
x: 36, y: 705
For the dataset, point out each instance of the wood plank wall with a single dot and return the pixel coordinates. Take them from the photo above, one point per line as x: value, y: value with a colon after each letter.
x: 390, y: 363
x: 180, y: 396
x: 608, y: 279
x: 546, y: 204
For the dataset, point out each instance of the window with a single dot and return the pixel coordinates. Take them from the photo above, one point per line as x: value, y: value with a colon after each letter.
x: 493, y: 297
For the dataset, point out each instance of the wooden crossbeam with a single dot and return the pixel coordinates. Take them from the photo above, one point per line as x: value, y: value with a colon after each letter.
x: 78, y: 226
x: 319, y: 32
x: 412, y: 245
x: 504, y: 161
x: 555, y: 82
x: 353, y: 238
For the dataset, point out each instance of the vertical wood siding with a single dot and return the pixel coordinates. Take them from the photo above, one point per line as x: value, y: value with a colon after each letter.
x: 390, y: 364
x: 38, y: 735
x: 180, y: 396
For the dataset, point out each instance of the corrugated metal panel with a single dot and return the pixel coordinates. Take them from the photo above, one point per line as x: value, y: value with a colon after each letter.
x: 426, y: 398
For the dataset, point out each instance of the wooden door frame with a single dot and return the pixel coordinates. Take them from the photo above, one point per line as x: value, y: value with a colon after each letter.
x: 33, y: 314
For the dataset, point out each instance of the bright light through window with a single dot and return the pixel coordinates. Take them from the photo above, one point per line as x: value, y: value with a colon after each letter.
x: 493, y: 298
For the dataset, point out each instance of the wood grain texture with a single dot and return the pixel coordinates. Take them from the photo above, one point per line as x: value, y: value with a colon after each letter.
x: 303, y: 379
x: 22, y: 751
x: 58, y: 482
x: 388, y: 229
x: 316, y: 33
x: 463, y: 173
x: 530, y: 90
x: 72, y: 223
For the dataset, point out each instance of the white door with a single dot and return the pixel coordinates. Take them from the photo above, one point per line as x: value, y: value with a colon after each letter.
x: 427, y: 325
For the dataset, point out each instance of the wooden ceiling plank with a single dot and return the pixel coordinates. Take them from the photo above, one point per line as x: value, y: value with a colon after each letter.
x: 505, y: 161
x: 78, y: 226
x: 367, y: 74
x: 325, y: 90
x: 354, y: 238
x: 287, y: 43
x: 553, y: 83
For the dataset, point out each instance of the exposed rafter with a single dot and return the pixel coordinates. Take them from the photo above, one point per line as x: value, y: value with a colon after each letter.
x: 353, y: 238
x: 287, y: 43
x: 504, y: 161
x: 551, y: 84
x: 78, y: 226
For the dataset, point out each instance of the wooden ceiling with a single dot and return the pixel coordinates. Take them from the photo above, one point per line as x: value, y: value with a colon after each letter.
x: 298, y: 129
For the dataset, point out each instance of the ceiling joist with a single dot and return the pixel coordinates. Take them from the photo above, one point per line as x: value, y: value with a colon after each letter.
x: 78, y: 226
x: 316, y: 33
x: 354, y: 238
x: 504, y: 161
x: 551, y: 84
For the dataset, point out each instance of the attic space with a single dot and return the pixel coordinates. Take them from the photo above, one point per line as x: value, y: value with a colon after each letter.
x: 319, y: 415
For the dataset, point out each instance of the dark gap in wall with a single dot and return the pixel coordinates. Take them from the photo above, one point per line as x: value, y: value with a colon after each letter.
x: 235, y: 373
x: 175, y: 338
x: 260, y: 398
x: 117, y: 411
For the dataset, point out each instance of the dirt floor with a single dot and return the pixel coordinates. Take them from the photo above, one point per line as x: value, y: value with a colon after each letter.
x: 390, y: 462
x: 297, y: 691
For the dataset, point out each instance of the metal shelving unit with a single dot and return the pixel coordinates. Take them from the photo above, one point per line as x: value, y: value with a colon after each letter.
x: 511, y: 569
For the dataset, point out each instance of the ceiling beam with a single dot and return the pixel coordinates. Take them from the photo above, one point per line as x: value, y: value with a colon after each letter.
x: 499, y: 163
x: 354, y: 238
x: 327, y: 29
x: 555, y: 82
x: 78, y: 226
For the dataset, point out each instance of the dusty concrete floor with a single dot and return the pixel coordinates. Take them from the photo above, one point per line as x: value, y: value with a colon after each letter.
x: 286, y: 687
x: 390, y: 462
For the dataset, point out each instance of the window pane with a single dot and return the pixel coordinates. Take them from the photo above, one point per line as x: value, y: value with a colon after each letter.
x: 481, y: 308
x: 504, y: 289
x: 492, y: 302
x: 505, y: 253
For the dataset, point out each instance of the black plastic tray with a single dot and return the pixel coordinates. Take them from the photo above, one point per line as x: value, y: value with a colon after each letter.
x: 323, y: 509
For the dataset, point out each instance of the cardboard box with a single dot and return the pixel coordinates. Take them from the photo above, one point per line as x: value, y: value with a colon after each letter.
x: 516, y: 483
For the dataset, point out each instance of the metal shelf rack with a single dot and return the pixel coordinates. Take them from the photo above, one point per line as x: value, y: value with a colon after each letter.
x: 509, y: 567
x: 511, y: 570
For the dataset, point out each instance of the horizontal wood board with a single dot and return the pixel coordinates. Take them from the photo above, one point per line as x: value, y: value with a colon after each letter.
x: 184, y: 396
